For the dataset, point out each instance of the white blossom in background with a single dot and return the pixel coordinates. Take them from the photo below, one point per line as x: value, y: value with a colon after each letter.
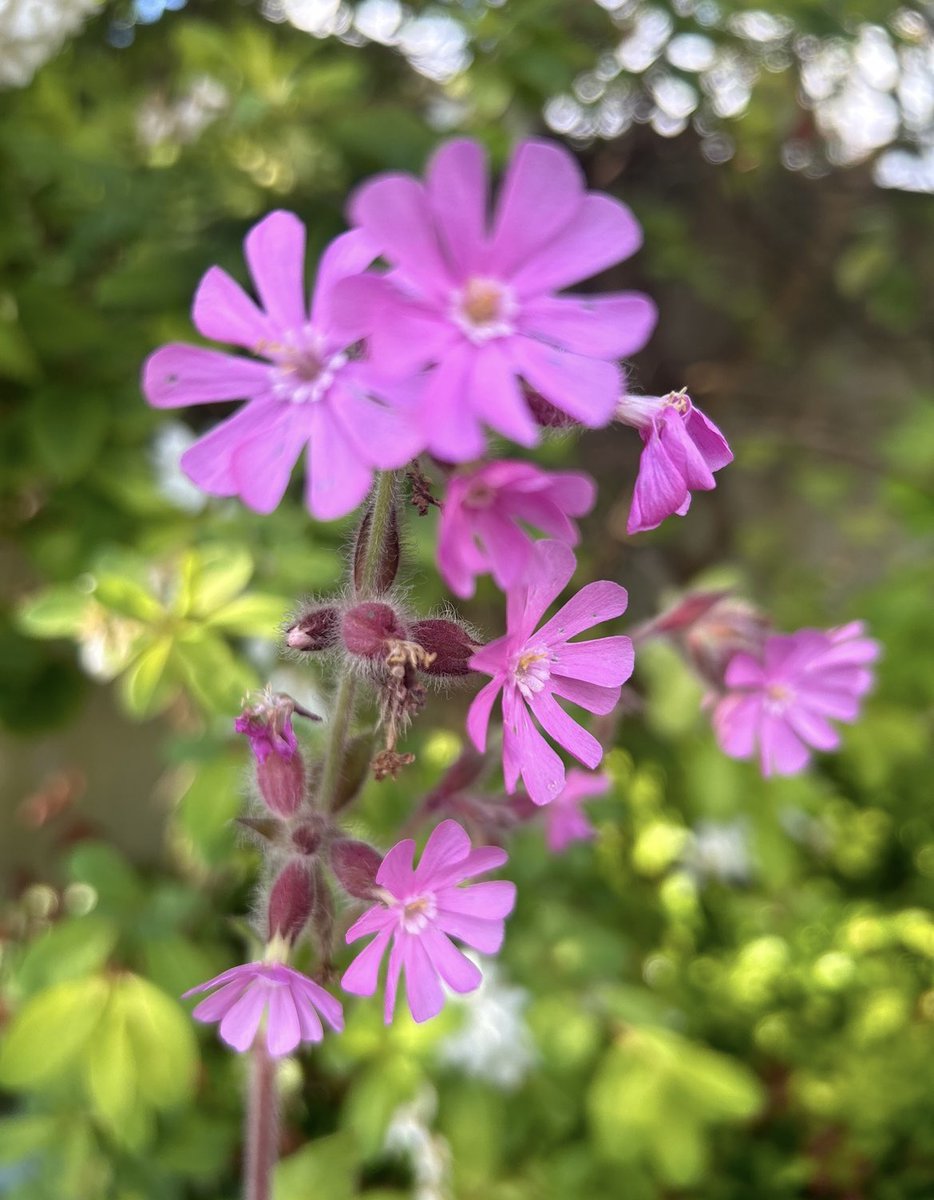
x: 720, y: 850
x: 171, y: 441
x: 33, y: 31
x: 410, y: 1136
x: 493, y: 1043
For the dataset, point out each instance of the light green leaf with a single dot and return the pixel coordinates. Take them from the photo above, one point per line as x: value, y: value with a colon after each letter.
x: 325, y: 1167
x: 103, y: 867
x: 214, y: 676
x: 22, y: 1136
x: 76, y: 946
x: 210, y: 804
x: 50, y: 1031
x: 162, y: 1042
x: 55, y: 613
x: 143, y: 687
x: 255, y: 615
x: 211, y: 577
x: 128, y: 597
x: 110, y: 1066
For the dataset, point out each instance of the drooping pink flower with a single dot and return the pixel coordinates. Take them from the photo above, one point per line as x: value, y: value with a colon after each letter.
x: 290, y: 1001
x: 681, y: 450
x: 477, y: 301
x: 778, y: 704
x: 484, y: 514
x: 533, y: 668
x: 420, y: 910
x: 306, y: 388
x: 565, y: 819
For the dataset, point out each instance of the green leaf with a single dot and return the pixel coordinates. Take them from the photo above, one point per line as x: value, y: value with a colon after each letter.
x: 74, y: 947
x: 68, y: 432
x: 55, y: 613
x: 255, y: 615
x: 214, y: 676
x: 128, y: 597
x: 144, y: 688
x: 212, y: 576
x: 162, y: 1042
x: 325, y: 1167
x: 211, y: 802
x: 23, y: 1136
x: 50, y: 1031
x: 119, y: 892
x: 110, y: 1066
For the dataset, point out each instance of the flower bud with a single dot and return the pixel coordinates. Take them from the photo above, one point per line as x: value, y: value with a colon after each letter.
x: 709, y: 628
x: 315, y: 629
x: 306, y: 836
x: 291, y: 901
x: 280, y: 769
x: 449, y: 643
x: 368, y: 628
x: 544, y: 412
x: 387, y: 566
x: 281, y: 783
x: 355, y: 865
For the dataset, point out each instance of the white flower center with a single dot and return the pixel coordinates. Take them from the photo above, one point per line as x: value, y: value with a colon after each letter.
x: 303, y: 370
x: 417, y: 911
x: 531, y: 670
x: 480, y: 495
x: 484, y: 309
x: 778, y: 698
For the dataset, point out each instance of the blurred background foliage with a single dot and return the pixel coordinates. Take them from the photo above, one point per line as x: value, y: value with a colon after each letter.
x: 727, y: 994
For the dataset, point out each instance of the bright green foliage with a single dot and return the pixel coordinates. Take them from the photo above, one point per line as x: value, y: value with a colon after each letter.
x: 757, y: 1024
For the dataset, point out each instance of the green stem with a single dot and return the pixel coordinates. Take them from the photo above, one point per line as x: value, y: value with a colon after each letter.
x: 342, y: 714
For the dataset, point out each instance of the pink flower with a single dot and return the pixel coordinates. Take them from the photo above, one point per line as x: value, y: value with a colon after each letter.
x: 532, y: 668
x: 290, y: 1001
x: 780, y: 702
x: 484, y: 516
x: 681, y: 450
x: 565, y: 819
x: 421, y: 909
x: 306, y: 389
x: 476, y: 299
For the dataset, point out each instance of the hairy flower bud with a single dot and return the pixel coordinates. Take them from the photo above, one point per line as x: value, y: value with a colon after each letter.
x: 291, y: 901
x: 448, y: 642
x: 544, y: 412
x: 369, y: 628
x: 315, y: 629
x: 709, y: 628
x: 387, y: 566
x: 307, y: 835
x: 355, y: 865
x: 280, y: 768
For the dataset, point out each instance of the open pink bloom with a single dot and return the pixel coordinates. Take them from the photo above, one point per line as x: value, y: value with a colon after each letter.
x: 532, y: 667
x: 565, y: 819
x: 681, y: 450
x: 290, y: 1001
x: 305, y: 389
x: 779, y: 703
x: 476, y: 299
x: 421, y: 909
x: 486, y: 509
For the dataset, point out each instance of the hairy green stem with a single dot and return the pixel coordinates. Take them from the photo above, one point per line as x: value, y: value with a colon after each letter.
x: 342, y: 714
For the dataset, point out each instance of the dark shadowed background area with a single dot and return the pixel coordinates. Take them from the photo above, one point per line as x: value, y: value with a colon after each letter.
x: 728, y: 993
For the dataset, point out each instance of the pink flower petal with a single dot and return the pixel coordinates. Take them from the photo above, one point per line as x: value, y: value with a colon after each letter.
x: 422, y: 989
x: 209, y: 462
x: 404, y: 335
x: 447, y: 845
x: 372, y: 921
x: 457, y: 971
x: 263, y: 465
x: 478, y: 716
x: 603, y: 232
x: 338, y: 478
x: 477, y: 862
x: 449, y: 422
x: 709, y: 440
x: 812, y: 728
x: 743, y: 671
x: 309, y: 1023
x: 781, y: 751
x: 275, y: 252
x: 392, y: 978
x: 736, y: 723
x: 498, y: 399
x: 240, y: 1023
x: 565, y: 730
x: 214, y: 1007
x: 607, y: 662
x: 283, y: 1031
x: 224, y: 312
x: 595, y: 699
x: 395, y: 212
x: 457, y: 185
x: 178, y: 375
x: 362, y: 976
x: 524, y: 224
x: 593, y: 604
x: 660, y: 487
x: 490, y: 901
x: 329, y: 1006
x: 608, y: 326
x: 587, y: 389
x: 541, y: 769
x: 347, y: 256
x: 395, y: 872
x: 480, y: 933
x: 550, y: 570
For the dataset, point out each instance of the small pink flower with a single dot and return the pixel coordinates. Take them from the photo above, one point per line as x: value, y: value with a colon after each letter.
x: 290, y: 1001
x: 532, y: 668
x: 476, y: 298
x: 682, y: 448
x: 565, y: 819
x: 780, y: 702
x: 421, y: 909
x: 306, y: 388
x: 485, y: 513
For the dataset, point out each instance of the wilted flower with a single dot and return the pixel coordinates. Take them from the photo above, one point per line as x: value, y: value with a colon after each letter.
x: 779, y: 703
x: 532, y: 667
x: 682, y: 448
x: 280, y: 769
x: 477, y: 303
x: 486, y: 510
x: 710, y: 628
x: 565, y: 819
x: 421, y: 909
x: 306, y: 388
x: 290, y: 1001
